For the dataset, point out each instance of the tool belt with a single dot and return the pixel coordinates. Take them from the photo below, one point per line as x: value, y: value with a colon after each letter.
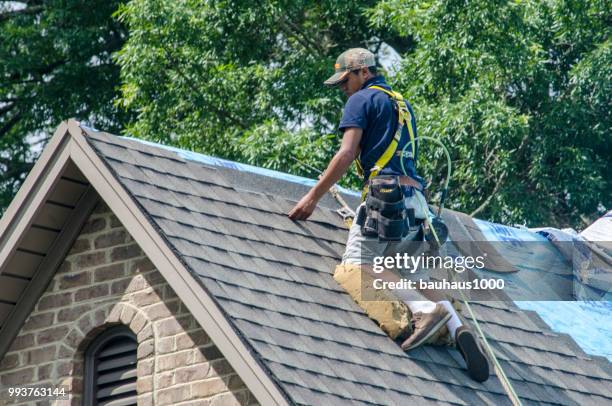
x: 384, y: 214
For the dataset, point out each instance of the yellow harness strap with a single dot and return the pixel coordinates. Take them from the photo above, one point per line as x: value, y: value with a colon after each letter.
x: 404, y: 119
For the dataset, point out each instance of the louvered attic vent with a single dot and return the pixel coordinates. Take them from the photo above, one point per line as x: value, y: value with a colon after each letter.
x: 110, y: 369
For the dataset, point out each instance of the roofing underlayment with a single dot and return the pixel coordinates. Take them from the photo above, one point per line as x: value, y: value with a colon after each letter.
x: 272, y: 279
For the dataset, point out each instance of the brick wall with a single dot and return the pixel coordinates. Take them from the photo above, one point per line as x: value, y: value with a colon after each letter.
x: 106, y: 280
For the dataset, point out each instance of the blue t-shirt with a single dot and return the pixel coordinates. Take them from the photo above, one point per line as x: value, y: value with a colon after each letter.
x: 374, y: 112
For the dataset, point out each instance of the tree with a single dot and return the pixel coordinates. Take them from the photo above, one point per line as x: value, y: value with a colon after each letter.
x: 520, y: 93
x: 241, y: 79
x: 55, y: 63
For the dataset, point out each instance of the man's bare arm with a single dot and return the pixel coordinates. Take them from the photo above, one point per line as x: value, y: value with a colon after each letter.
x: 335, y: 170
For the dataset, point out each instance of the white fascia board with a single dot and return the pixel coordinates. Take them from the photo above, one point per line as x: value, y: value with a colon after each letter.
x: 203, y: 308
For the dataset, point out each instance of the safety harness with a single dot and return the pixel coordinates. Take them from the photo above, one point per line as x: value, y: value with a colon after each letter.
x: 404, y: 118
x: 380, y: 204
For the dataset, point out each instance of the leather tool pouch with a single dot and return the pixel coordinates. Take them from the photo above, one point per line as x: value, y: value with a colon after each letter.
x: 384, y: 214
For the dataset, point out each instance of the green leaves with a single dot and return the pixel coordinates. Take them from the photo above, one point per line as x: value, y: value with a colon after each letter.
x: 238, y: 79
x: 55, y: 63
x: 519, y: 92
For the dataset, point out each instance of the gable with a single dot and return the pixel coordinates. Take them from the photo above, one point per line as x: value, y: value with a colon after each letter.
x: 69, y: 145
x: 104, y: 282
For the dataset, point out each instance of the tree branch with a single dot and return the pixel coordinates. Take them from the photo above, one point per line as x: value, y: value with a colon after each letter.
x: 10, y: 124
x: 44, y: 70
x: 172, y: 64
x: 484, y: 204
x: 7, y: 108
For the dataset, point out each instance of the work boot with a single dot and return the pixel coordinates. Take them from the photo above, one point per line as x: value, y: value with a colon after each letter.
x: 475, y: 360
x: 425, y: 326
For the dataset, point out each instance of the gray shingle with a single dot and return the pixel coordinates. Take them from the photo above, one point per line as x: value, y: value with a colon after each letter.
x: 273, y: 277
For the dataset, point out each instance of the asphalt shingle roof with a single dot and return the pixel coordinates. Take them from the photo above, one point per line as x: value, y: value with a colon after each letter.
x: 273, y: 278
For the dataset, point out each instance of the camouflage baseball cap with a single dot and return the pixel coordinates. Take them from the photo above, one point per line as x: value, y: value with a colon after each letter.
x: 350, y: 60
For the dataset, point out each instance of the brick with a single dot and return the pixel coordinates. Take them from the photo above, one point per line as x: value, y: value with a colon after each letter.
x: 144, y: 385
x: 165, y: 345
x: 91, y: 292
x: 76, y: 385
x: 127, y: 314
x: 90, y: 259
x: 125, y: 252
x: 169, y: 327
x: 119, y: 287
x: 114, y: 222
x: 41, y: 355
x: 22, y: 341
x: 145, y: 367
x: 64, y: 368
x: 173, y: 360
x: 145, y: 399
x: 133, y: 284
x: 65, y: 352
x: 137, y: 323
x: 72, y: 313
x: 115, y: 313
x: 38, y: 321
x: 85, y: 323
x: 188, y: 322
x: 142, y: 265
x: 221, y: 368
x: 94, y: 225
x: 145, y: 349
x: 74, y: 338
x: 44, y: 371
x: 145, y: 297
x: 17, y: 377
x: 164, y: 380
x: 191, y: 373
x: 169, y: 293
x: 234, y: 382
x: 53, y: 301
x: 154, y: 278
x: 9, y: 361
x: 74, y: 280
x: 109, y: 272
x: 184, y: 341
x: 229, y: 399
x: 99, y: 316
x: 50, y: 335
x: 192, y: 339
x: 207, y: 388
x: 162, y: 310
x: 146, y: 332
x: 80, y: 245
x: 110, y: 239
x: 173, y: 395
x: 204, y: 354
x: 66, y: 266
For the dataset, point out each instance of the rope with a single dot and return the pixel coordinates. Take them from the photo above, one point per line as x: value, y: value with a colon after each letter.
x: 503, y: 378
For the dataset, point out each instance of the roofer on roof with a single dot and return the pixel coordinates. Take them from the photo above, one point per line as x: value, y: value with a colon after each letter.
x: 371, y: 137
